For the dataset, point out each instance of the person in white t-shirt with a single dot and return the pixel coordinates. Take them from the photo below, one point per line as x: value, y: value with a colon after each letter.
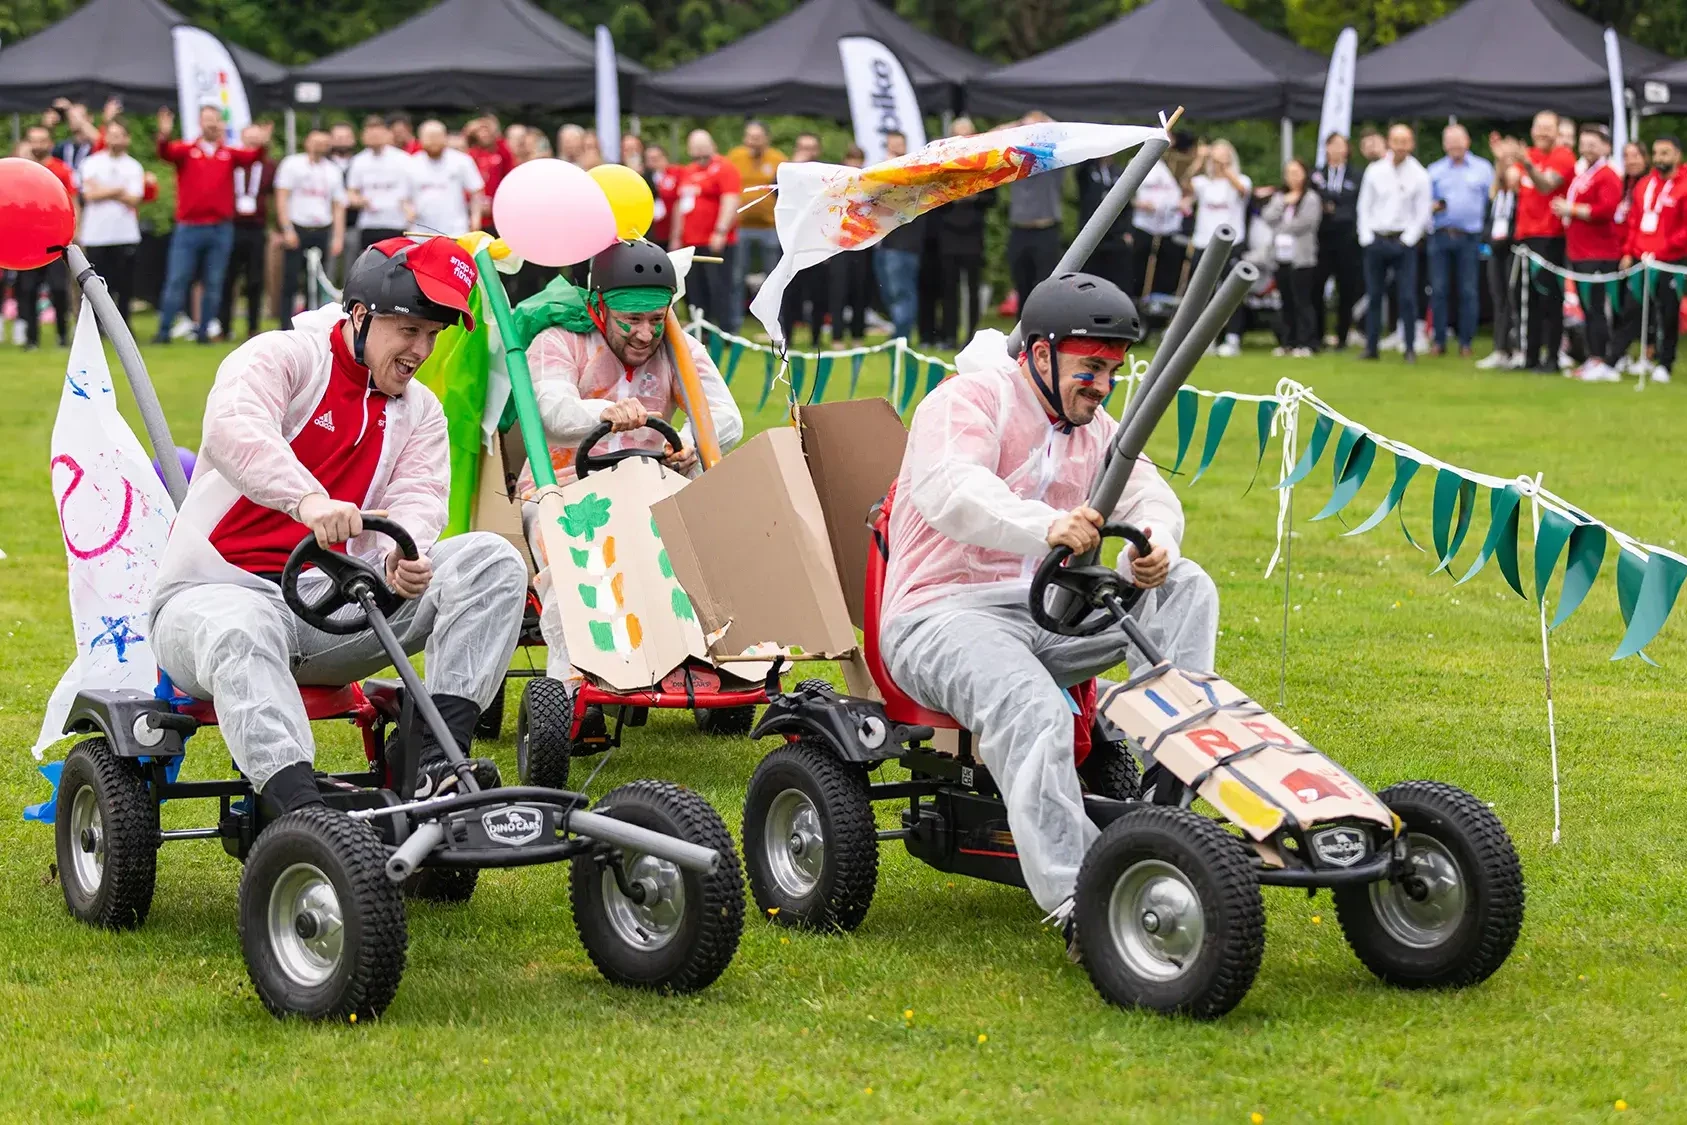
x: 1156, y: 222
x: 450, y: 194
x: 113, y: 183
x: 378, y: 185
x: 310, y: 206
x: 1219, y: 194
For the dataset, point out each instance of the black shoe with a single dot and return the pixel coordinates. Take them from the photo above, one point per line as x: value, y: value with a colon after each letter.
x: 289, y: 789
x: 1369, y: 353
x: 161, y: 338
x: 1411, y: 359
x: 594, y: 729
x: 436, y: 778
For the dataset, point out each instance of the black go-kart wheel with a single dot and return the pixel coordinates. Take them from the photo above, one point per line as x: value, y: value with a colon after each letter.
x: 810, y: 844
x: 1110, y: 769
x: 1169, y: 914
x: 541, y: 733
x: 321, y: 925
x: 491, y: 723
x: 106, y: 824
x: 683, y: 930
x: 725, y: 721
x: 1454, y: 917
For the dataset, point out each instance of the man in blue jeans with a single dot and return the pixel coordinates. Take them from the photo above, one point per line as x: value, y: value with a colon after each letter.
x: 204, y: 234
x: 896, y: 263
x: 1459, y: 184
x: 1394, y: 214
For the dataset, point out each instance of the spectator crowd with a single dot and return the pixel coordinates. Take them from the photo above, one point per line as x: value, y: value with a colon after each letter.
x: 1402, y: 251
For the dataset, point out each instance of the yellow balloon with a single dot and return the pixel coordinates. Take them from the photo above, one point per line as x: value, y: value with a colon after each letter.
x: 629, y: 198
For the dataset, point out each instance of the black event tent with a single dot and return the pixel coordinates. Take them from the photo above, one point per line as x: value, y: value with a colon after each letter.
x: 1200, y: 54
x: 792, y: 66
x: 114, y: 47
x: 1662, y: 91
x: 465, y: 54
x: 1497, y: 58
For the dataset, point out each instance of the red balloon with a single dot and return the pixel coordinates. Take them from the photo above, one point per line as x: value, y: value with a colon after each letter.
x: 35, y: 215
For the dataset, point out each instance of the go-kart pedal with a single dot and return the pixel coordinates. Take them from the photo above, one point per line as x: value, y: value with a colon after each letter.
x: 437, y: 777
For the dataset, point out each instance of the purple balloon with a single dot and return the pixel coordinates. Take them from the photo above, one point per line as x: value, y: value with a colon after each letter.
x: 186, y: 459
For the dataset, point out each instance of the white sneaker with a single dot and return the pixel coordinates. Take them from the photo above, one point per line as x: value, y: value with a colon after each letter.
x: 1598, y: 371
x: 1621, y: 367
x: 183, y: 328
x: 1231, y: 348
x: 1576, y: 372
x: 1660, y: 374
x: 1492, y: 360
x: 1330, y: 341
x: 1279, y: 351
x: 1516, y: 362
x: 1302, y: 353
x: 1393, y: 342
x: 1564, y: 361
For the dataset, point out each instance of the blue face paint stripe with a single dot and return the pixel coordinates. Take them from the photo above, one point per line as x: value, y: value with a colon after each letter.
x: 1154, y: 698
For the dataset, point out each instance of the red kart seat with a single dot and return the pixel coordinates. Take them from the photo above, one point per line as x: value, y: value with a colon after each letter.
x: 320, y: 703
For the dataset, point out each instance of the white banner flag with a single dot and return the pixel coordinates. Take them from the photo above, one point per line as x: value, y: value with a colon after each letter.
x: 115, y: 515
x: 206, y: 75
x: 608, y: 99
x: 881, y: 99
x: 1619, y: 105
x: 1338, y: 90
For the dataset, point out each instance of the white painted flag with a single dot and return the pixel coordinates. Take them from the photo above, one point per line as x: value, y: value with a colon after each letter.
x: 608, y: 98
x: 881, y: 99
x: 1337, y: 116
x: 1619, y: 103
x: 206, y: 75
x: 115, y: 516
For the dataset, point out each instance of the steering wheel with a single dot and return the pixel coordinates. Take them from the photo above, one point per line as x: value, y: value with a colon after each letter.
x: 585, y: 464
x: 349, y: 576
x: 1091, y: 587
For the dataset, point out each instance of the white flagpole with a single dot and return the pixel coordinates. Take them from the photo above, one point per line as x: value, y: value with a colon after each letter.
x: 1619, y: 109
x: 1337, y: 115
x: 608, y: 98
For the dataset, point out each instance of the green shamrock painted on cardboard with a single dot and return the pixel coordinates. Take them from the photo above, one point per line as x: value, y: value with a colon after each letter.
x: 581, y: 520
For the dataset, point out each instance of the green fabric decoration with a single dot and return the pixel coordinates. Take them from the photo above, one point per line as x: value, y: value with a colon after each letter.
x: 935, y: 374
x: 1217, y: 419
x: 638, y: 299
x: 459, y: 372
x: 767, y: 386
x: 716, y: 346
x: 1354, y: 465
x: 733, y: 355
x: 1631, y: 579
x: 855, y: 362
x: 1502, y: 525
x: 1550, y: 538
x: 560, y: 304
x: 1506, y: 549
x: 1586, y: 554
x: 1344, y: 447
x: 1188, y: 409
x: 1451, y: 488
x: 822, y: 373
x: 1404, y: 470
x: 908, y: 381
x: 799, y: 375
x: 1314, y: 450
x: 1267, y: 411
x: 1647, y: 611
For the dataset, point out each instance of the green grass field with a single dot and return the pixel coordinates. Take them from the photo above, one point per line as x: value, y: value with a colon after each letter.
x: 1395, y: 673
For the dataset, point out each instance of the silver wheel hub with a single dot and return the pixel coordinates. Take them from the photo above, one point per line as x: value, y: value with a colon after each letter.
x: 1156, y: 920
x: 306, y: 926
x: 88, y: 831
x: 794, y: 845
x: 1425, y: 906
x: 651, y: 917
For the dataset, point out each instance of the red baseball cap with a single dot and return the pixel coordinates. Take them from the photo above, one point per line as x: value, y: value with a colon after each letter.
x: 444, y: 271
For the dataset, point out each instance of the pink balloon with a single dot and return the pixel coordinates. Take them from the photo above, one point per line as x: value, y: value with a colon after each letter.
x: 552, y: 213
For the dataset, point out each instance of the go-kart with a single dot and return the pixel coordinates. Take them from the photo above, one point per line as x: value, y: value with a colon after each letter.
x: 552, y: 728
x: 1427, y: 886
x: 656, y: 890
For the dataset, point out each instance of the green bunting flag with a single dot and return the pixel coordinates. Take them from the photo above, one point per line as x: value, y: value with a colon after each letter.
x: 1646, y: 612
x: 822, y: 373
x: 1353, y: 464
x: 1314, y: 450
x: 908, y: 381
x: 1404, y: 470
x: 1451, y: 490
x: 717, y: 344
x: 799, y: 375
x: 1218, y: 419
x: 1587, y: 554
x: 1188, y: 405
x: 1631, y: 581
x: 1267, y: 411
x: 767, y: 384
x: 935, y: 374
x: 733, y: 355
x: 1550, y: 538
x: 855, y: 362
x: 1502, y: 537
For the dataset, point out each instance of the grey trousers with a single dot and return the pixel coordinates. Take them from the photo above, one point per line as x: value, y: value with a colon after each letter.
x: 1000, y: 675
x: 244, y: 649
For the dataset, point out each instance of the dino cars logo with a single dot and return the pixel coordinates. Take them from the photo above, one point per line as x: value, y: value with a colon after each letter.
x: 1340, y: 847
x: 513, y: 826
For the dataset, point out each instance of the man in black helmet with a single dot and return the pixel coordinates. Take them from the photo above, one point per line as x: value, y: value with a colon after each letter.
x: 998, y: 466
x: 598, y: 355
x: 305, y: 430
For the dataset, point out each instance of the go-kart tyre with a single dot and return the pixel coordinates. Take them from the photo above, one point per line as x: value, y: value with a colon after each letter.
x: 1110, y: 769
x: 810, y: 845
x: 1470, y: 912
x: 725, y: 722
x: 321, y: 925
x: 106, y: 829
x: 685, y: 934
x: 541, y: 733
x: 1169, y: 914
x: 491, y: 723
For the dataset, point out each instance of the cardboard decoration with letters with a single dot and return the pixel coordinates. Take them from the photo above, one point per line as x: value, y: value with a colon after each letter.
x: 627, y: 620
x: 1249, y: 764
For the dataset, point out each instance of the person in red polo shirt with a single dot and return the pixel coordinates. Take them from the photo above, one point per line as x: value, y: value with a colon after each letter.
x: 204, y: 234
x: 1657, y: 232
x: 305, y: 430
x: 1593, y: 242
x: 38, y: 142
x: 1547, y: 169
x: 706, y: 217
x: 491, y: 153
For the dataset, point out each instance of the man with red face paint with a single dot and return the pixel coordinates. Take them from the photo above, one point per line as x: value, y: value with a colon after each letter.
x: 998, y: 466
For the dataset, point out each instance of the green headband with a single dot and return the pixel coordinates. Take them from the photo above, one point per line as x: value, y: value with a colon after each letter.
x: 638, y: 299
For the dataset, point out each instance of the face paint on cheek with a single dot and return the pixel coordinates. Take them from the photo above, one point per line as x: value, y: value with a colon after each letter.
x: 624, y: 326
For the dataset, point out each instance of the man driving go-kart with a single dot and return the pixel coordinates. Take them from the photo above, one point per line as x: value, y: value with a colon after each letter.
x: 998, y: 464
x: 599, y: 357
x: 314, y: 426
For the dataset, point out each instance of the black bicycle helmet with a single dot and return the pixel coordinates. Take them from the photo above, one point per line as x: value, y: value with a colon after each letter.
x: 1074, y: 304
x: 636, y: 263
x: 430, y: 279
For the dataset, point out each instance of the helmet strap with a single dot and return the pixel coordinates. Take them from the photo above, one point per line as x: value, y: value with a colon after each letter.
x: 361, y: 336
x: 1050, y: 390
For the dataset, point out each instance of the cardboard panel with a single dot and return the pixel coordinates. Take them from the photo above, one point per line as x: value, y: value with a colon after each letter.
x: 627, y: 620
x: 854, y: 452
x: 494, y: 510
